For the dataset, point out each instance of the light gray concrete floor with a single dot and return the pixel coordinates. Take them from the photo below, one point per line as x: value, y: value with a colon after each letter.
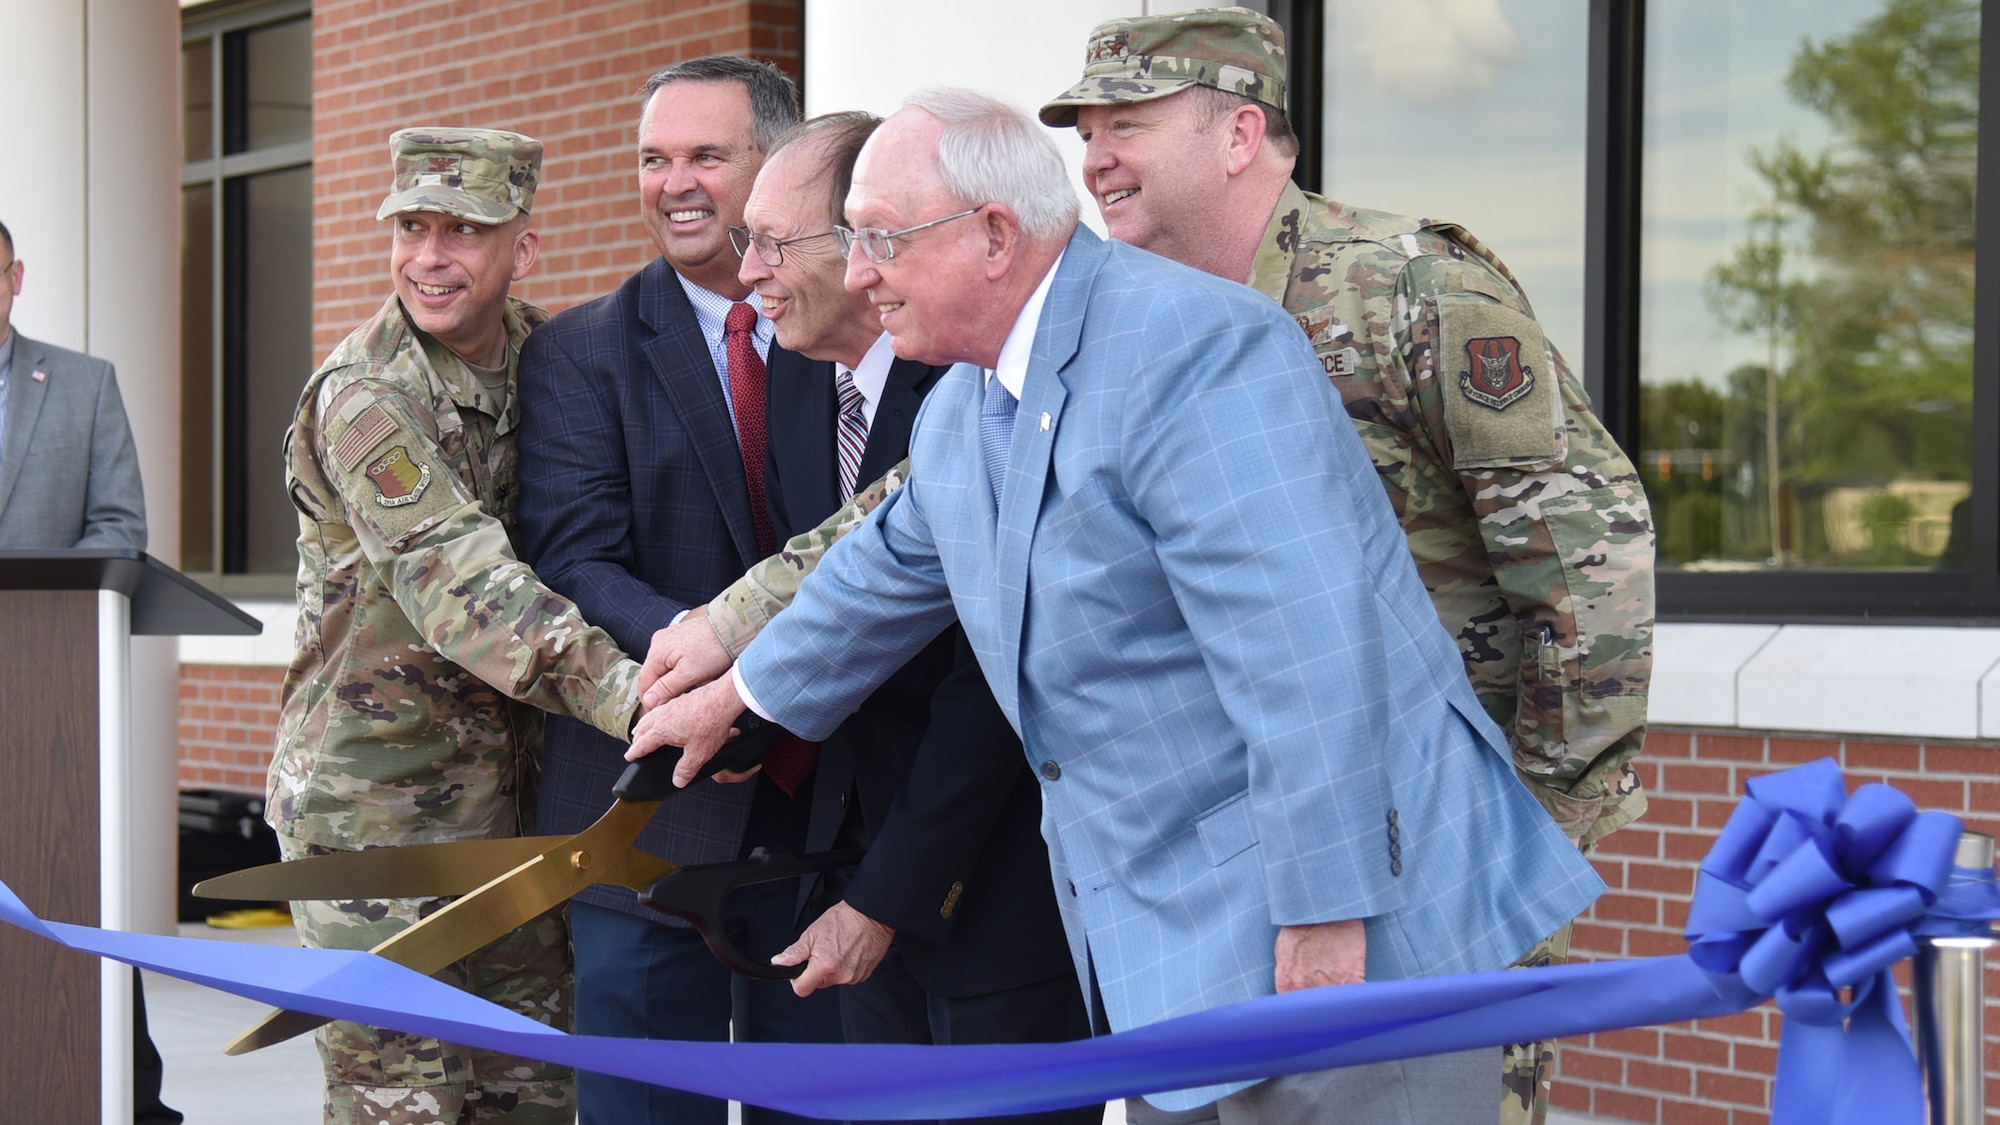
x: 278, y: 1085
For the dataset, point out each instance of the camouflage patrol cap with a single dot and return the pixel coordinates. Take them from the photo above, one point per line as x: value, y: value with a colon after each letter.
x: 1145, y: 57
x: 483, y: 175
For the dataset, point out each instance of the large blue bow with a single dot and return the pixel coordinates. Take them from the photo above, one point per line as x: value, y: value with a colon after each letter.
x: 1810, y: 892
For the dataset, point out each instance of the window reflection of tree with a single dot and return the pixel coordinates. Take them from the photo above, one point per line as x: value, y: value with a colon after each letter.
x: 1857, y: 277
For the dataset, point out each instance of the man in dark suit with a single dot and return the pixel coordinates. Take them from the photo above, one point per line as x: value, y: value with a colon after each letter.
x: 948, y: 932
x: 69, y: 474
x: 642, y: 494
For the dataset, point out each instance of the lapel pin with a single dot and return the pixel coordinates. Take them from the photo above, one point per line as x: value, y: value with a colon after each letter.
x: 1045, y: 421
x: 42, y: 376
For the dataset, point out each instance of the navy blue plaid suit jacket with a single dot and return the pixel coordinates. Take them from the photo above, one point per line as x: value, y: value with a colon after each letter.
x: 633, y: 504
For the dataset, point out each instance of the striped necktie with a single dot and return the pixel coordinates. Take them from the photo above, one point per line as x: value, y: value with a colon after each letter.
x: 996, y: 431
x: 853, y: 432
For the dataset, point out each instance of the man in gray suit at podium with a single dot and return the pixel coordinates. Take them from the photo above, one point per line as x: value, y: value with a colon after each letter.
x: 69, y: 475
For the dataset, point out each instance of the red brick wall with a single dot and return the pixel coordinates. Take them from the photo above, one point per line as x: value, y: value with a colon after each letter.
x: 228, y: 719
x: 1718, y: 1072
x: 564, y: 71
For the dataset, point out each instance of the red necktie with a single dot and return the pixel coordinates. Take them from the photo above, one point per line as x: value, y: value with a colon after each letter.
x: 789, y: 761
x: 746, y: 397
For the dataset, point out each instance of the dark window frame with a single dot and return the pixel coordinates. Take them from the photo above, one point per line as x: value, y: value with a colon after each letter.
x: 227, y: 172
x: 1614, y: 150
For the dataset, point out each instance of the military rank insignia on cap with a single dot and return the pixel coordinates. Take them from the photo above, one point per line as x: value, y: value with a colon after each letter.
x: 484, y: 175
x: 1145, y: 57
x: 398, y: 479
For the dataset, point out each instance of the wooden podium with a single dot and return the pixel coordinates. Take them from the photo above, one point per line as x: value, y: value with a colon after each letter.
x: 66, y: 847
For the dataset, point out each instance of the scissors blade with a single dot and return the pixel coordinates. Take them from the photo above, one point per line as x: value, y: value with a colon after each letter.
x: 601, y: 853
x: 409, y: 871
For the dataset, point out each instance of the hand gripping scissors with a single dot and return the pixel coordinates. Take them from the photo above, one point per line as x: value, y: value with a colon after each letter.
x: 504, y: 883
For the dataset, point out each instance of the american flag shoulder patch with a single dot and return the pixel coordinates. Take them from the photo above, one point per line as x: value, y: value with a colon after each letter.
x: 367, y: 432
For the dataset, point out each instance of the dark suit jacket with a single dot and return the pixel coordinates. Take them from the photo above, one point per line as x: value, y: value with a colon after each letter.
x: 958, y: 867
x: 633, y: 504
x: 69, y: 473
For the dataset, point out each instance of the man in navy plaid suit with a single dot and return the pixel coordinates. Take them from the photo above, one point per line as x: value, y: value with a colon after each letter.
x: 1187, y: 599
x: 642, y: 423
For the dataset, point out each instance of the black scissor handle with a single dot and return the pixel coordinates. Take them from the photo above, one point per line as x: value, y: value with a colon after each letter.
x: 699, y: 893
x: 651, y: 778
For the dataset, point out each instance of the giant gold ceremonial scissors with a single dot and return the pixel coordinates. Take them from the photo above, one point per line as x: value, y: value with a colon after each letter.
x: 508, y: 882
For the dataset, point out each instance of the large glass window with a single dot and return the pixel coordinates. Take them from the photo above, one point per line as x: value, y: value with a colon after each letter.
x: 1753, y: 228
x: 247, y: 287
x: 1471, y: 111
x: 1806, y: 284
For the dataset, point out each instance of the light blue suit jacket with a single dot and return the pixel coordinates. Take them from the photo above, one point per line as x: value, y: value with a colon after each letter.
x: 1196, y: 606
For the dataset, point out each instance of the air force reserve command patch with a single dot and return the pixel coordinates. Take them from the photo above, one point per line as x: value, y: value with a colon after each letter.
x: 1494, y: 374
x: 1502, y: 398
x: 398, y: 479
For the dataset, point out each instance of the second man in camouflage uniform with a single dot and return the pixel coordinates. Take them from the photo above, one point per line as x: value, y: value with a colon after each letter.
x: 1529, y: 526
x: 422, y: 641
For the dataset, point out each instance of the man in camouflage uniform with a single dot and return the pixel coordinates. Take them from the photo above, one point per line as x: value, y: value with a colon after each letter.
x: 1529, y: 526
x: 422, y: 640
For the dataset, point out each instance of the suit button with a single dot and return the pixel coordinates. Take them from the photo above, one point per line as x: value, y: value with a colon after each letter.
x: 1395, y: 867
x: 951, y: 900
x: 1050, y: 770
x: 843, y: 800
x: 1392, y: 818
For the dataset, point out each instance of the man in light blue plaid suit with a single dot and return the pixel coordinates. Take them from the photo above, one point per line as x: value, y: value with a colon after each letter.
x: 1262, y: 767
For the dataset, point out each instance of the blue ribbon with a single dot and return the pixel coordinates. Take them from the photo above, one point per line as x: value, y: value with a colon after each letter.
x: 1810, y: 893
x: 1844, y: 883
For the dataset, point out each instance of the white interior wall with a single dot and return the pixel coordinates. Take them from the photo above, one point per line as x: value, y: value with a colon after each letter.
x: 92, y: 137
x: 42, y: 133
x: 871, y: 54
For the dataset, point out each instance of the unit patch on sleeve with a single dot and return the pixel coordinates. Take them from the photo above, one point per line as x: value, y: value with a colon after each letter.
x: 398, y: 479
x: 1494, y: 375
x: 1501, y: 396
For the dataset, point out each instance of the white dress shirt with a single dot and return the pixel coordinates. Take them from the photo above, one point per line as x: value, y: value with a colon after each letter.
x: 872, y: 375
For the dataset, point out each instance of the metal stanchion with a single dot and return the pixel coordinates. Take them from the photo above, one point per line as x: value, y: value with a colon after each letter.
x: 1950, y: 982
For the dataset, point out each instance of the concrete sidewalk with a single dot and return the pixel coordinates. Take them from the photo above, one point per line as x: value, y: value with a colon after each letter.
x: 278, y: 1085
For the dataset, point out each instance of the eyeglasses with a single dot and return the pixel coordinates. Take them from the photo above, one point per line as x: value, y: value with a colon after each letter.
x: 880, y: 244
x: 771, y: 251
